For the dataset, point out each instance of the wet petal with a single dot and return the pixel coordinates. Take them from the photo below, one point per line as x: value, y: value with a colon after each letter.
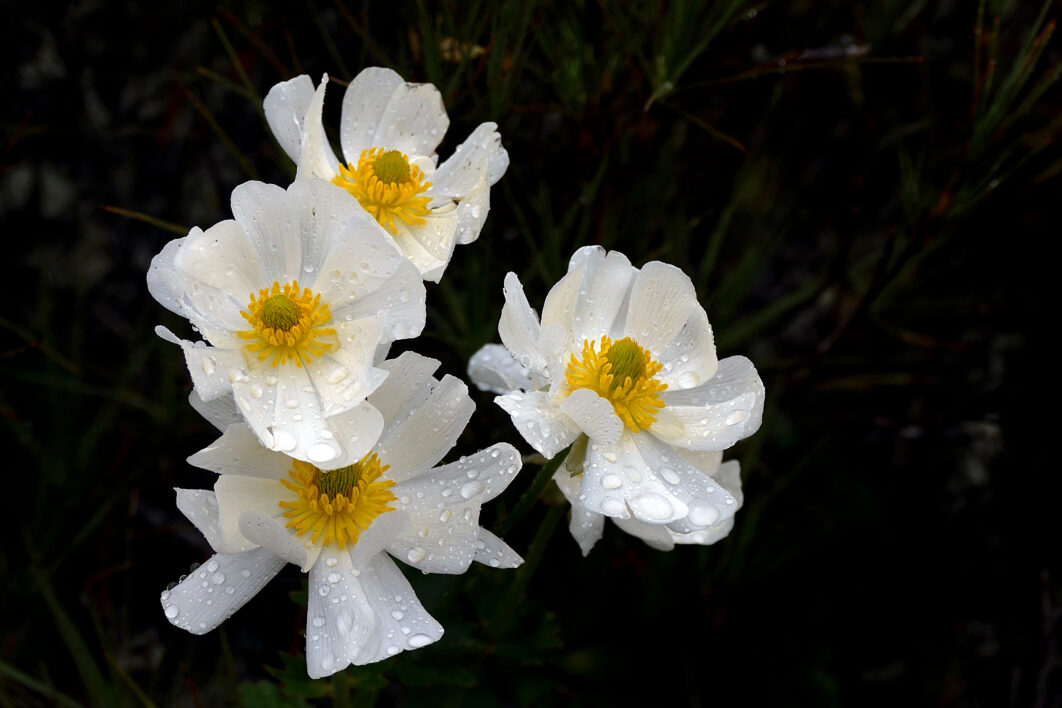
x: 493, y: 368
x: 285, y: 109
x: 539, y: 421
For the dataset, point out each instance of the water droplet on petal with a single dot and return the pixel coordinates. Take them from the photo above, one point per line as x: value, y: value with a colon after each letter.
x: 736, y: 417
x: 172, y: 611
x: 419, y: 640
x: 653, y: 506
x: 416, y: 554
x: 611, y: 481
x: 471, y: 489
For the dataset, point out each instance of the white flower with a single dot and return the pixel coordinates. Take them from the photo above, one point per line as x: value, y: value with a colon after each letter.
x: 295, y: 298
x: 587, y: 526
x: 267, y: 510
x: 389, y: 131
x: 623, y: 365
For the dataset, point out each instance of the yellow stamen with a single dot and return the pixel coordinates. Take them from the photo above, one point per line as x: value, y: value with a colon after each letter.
x: 387, y: 186
x: 621, y: 372
x: 337, y: 505
x: 288, y: 325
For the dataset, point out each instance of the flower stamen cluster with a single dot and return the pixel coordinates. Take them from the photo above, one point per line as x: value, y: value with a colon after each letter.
x: 623, y: 373
x: 387, y: 186
x: 288, y: 325
x: 337, y: 505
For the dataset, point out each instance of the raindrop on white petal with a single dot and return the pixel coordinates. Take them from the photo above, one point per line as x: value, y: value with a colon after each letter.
x: 397, y: 614
x: 419, y: 640
x: 293, y: 403
x: 688, y: 379
x: 611, y: 481
x: 331, y: 562
x: 612, y: 506
x: 172, y: 611
x: 471, y: 489
x: 218, y: 578
x: 212, y: 565
x: 283, y: 440
x: 703, y: 515
x: 318, y: 621
x: 334, y: 577
x: 445, y: 515
x: 416, y: 554
x: 736, y: 417
x: 653, y: 506
x: 669, y: 475
x: 321, y: 452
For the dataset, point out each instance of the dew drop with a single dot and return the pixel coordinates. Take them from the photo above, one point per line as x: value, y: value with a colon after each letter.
x: 471, y: 489
x: 172, y: 611
x: 611, y: 481
x: 419, y: 640
x: 669, y: 475
x: 688, y: 379
x: 445, y: 515
x: 613, y: 506
x: 321, y: 452
x: 334, y: 577
x: 653, y: 506
x: 416, y: 554
x: 736, y: 417
x: 703, y: 515
x: 217, y: 578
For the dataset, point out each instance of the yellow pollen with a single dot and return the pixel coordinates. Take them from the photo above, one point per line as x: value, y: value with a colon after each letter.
x: 621, y: 372
x: 387, y: 186
x: 336, y: 506
x: 288, y: 325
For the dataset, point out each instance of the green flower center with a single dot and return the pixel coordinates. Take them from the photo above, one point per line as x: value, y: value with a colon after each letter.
x: 627, y: 359
x: 280, y: 313
x: 391, y: 167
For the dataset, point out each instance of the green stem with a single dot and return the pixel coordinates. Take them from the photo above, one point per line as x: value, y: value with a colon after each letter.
x: 532, y: 494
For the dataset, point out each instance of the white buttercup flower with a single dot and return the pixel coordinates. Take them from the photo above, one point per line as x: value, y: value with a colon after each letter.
x: 623, y: 365
x: 389, y: 132
x: 268, y: 509
x: 587, y: 526
x: 295, y: 297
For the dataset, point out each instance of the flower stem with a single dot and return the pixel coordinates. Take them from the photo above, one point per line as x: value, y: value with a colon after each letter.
x: 532, y: 494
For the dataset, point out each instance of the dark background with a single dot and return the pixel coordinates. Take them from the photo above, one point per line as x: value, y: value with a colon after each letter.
x: 866, y: 196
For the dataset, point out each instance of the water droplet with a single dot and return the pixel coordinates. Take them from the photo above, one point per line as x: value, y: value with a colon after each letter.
x: 217, y: 578
x: 172, y: 611
x: 212, y: 565
x: 293, y: 403
x: 613, y: 506
x: 653, y: 506
x: 610, y: 456
x: 331, y: 562
x: 392, y: 650
x: 669, y: 475
x: 416, y: 554
x: 397, y: 614
x: 165, y: 595
x: 209, y: 364
x: 688, y: 379
x: 471, y: 489
x: 611, y: 481
x: 321, y: 452
x: 322, y: 590
x: 419, y: 640
x: 334, y: 577
x: 318, y: 621
x: 736, y: 417
x: 245, y: 573
x: 327, y: 661
x: 703, y: 515
x: 338, y: 374
x: 445, y: 515
x: 283, y: 441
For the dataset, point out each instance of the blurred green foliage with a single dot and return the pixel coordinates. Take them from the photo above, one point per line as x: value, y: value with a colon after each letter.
x: 864, y: 194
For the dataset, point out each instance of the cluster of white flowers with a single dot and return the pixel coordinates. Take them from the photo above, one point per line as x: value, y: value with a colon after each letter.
x: 328, y: 449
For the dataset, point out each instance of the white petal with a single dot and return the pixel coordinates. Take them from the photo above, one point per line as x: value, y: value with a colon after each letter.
x: 215, y: 590
x: 601, y: 306
x: 690, y: 359
x: 492, y: 551
x: 364, y: 104
x: 539, y: 421
x: 317, y: 158
x: 661, y: 301
x: 343, y: 378
x: 285, y: 109
x: 217, y: 270
x: 493, y: 368
x: 406, y: 387
x: 594, y: 415
x: 366, y: 276
x: 330, y: 224
x: 467, y: 175
x: 618, y: 482
x: 356, y: 431
x: 716, y: 414
x: 238, y: 494
x: 429, y: 432
x: 708, y: 536
x: 221, y: 412
x: 274, y: 224
x: 200, y: 506
x: 211, y: 368
x: 561, y: 304
x: 358, y: 615
x: 163, y: 281
x: 729, y: 476
x: 430, y: 245
x: 683, y: 484
x: 585, y: 526
x: 238, y: 452
x: 414, y: 121
x: 268, y: 532
x: 655, y: 535
x: 443, y: 509
x: 519, y: 327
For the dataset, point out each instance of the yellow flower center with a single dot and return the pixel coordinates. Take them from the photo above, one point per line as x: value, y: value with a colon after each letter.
x: 288, y: 325
x: 621, y: 372
x: 387, y: 186
x: 336, y: 506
